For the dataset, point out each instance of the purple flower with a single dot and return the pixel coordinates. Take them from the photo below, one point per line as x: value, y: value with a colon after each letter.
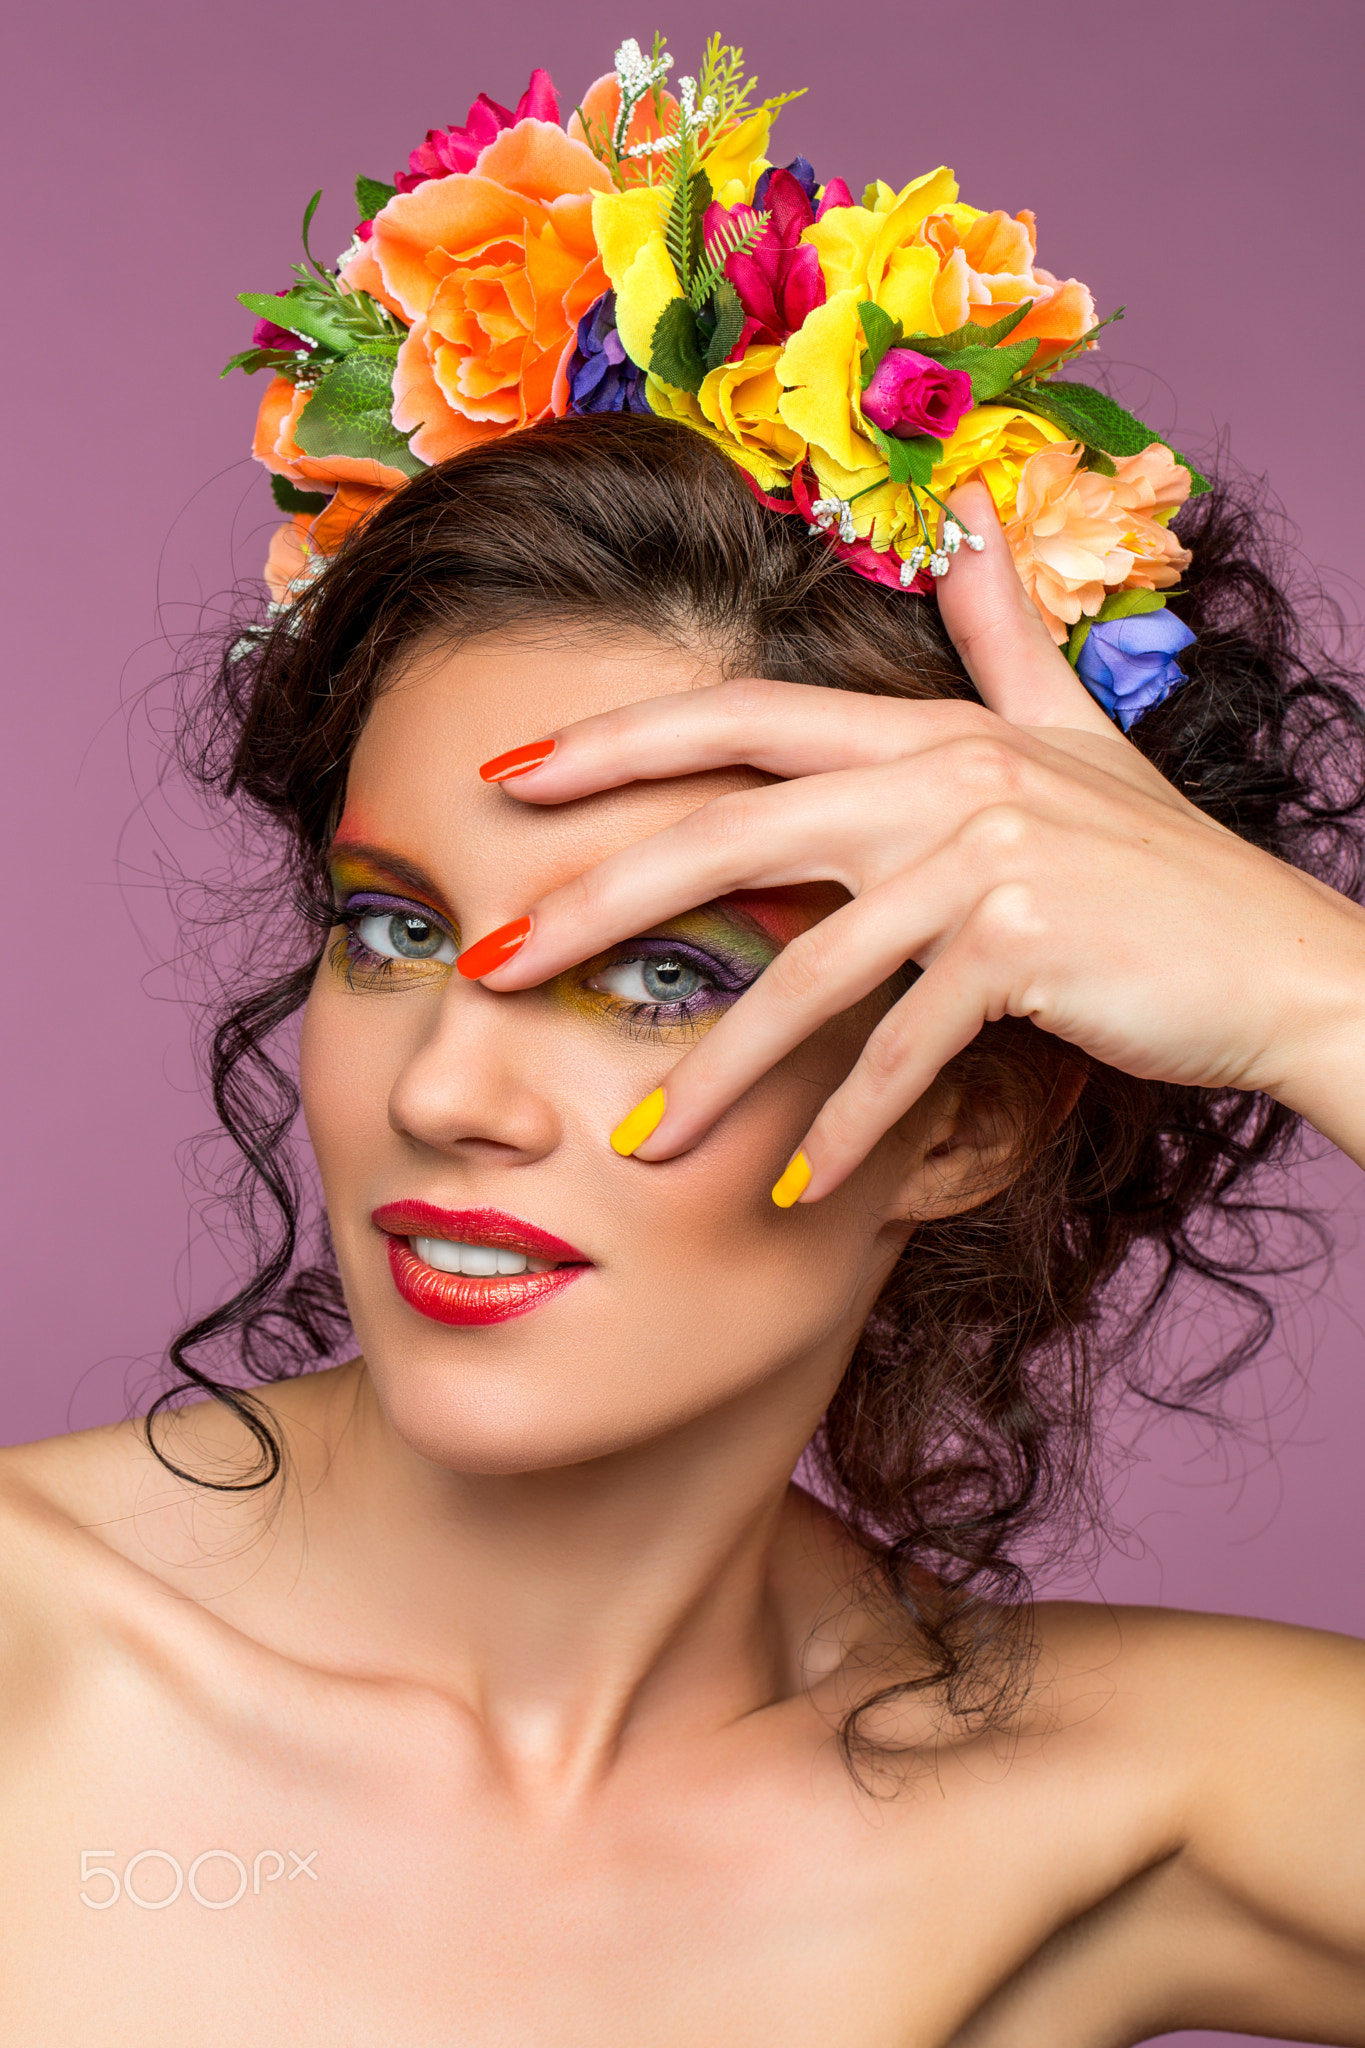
x: 836, y: 192
x: 601, y: 376
x: 912, y: 394
x: 798, y: 168
x: 1129, y: 665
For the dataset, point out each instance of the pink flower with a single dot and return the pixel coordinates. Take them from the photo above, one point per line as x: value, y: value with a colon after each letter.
x: 454, y: 149
x: 778, y: 279
x: 912, y: 394
x: 1078, y: 535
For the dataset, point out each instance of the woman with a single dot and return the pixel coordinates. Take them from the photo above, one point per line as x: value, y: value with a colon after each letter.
x: 498, y: 1684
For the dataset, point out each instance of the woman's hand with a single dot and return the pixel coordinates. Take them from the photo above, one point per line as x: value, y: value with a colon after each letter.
x: 1022, y: 852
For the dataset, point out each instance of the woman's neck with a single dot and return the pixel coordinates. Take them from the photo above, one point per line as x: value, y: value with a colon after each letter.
x: 671, y: 1584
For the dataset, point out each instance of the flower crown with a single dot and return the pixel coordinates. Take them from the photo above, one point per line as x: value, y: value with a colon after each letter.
x: 857, y: 360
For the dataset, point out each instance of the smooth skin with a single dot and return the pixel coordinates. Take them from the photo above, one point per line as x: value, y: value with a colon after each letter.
x: 538, y: 1649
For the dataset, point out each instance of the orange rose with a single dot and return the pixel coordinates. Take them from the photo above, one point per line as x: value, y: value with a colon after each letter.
x: 275, y: 446
x: 986, y: 268
x: 494, y: 267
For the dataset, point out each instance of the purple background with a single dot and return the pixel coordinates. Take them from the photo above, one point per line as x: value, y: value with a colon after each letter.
x: 1198, y: 161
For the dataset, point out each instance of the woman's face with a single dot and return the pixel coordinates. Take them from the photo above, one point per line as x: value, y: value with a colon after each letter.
x: 674, y: 1288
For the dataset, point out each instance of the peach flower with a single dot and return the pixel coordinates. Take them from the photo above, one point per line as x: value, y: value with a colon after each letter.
x: 275, y: 446
x: 1077, y: 536
x: 601, y: 104
x: 299, y: 550
x: 494, y: 268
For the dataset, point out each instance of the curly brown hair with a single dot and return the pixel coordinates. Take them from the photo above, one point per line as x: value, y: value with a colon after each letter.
x: 964, y: 1420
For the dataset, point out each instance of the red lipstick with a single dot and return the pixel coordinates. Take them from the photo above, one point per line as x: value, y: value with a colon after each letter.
x: 462, y: 1298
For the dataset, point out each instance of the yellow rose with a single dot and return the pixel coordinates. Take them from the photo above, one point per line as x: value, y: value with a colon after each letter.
x: 821, y: 366
x: 738, y: 407
x: 734, y: 160
x: 993, y: 442
x: 877, y: 252
x: 629, y: 229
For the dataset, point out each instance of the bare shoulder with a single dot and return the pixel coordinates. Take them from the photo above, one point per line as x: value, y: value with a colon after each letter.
x: 1251, y: 1913
x: 67, y: 1504
x: 1196, y: 1683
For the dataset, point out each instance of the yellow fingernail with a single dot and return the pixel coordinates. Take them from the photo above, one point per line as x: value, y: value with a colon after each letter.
x: 794, y: 1182
x: 635, y: 1128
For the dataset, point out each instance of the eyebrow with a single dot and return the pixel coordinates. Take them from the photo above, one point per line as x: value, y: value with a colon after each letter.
x: 387, y: 863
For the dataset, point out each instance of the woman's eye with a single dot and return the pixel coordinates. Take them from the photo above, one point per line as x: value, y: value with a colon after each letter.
x: 403, y: 936
x: 664, y: 979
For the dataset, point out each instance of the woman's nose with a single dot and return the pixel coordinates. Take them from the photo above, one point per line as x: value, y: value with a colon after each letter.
x: 475, y: 1083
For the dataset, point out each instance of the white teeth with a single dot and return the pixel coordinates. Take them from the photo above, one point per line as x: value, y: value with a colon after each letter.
x: 479, y: 1261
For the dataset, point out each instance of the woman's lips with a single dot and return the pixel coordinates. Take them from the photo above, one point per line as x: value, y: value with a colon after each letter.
x: 466, y: 1298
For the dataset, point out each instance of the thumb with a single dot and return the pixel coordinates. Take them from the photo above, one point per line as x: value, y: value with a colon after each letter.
x: 998, y: 630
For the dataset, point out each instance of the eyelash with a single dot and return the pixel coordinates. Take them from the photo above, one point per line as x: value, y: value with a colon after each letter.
x: 365, y: 970
x: 652, y: 1023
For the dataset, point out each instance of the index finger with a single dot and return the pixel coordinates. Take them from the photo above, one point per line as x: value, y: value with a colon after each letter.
x: 999, y: 632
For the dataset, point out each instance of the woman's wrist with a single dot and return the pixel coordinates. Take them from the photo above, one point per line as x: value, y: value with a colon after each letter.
x: 1322, y: 1075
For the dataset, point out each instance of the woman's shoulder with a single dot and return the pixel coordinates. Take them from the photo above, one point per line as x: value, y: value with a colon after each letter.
x: 93, y: 1530
x: 1210, y: 1696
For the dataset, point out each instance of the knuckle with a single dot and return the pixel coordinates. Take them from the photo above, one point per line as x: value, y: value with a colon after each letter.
x: 988, y: 767
x: 1008, y: 915
x: 1000, y: 831
x: 754, y: 700
x: 883, y: 1058
x: 726, y: 822
x: 839, y: 1132
x: 804, y: 971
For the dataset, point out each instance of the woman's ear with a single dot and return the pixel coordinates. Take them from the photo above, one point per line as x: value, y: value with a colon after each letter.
x: 972, y: 1136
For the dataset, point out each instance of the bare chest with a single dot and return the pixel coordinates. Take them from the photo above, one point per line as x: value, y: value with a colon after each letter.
x: 359, y: 1882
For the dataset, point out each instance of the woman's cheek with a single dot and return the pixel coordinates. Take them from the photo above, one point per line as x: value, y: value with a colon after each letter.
x: 347, y: 1066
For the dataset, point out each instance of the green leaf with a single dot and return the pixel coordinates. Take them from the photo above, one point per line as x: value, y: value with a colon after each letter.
x: 371, y: 196
x: 912, y: 460
x: 675, y: 351
x: 290, y: 499
x: 727, y: 242
x: 308, y: 213
x: 1092, y: 417
x: 880, y: 332
x: 969, y: 336
x: 1095, y: 419
x: 729, y: 324
x: 992, y: 370
x: 302, y: 312
x: 253, y: 359
x: 350, y: 412
x: 1120, y: 604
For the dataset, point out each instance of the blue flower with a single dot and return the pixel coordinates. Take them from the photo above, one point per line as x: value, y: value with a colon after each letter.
x: 1130, y: 664
x: 602, y: 378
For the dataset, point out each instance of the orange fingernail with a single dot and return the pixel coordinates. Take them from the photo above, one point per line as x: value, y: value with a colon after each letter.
x: 794, y: 1181
x: 494, y: 951
x: 517, y: 761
